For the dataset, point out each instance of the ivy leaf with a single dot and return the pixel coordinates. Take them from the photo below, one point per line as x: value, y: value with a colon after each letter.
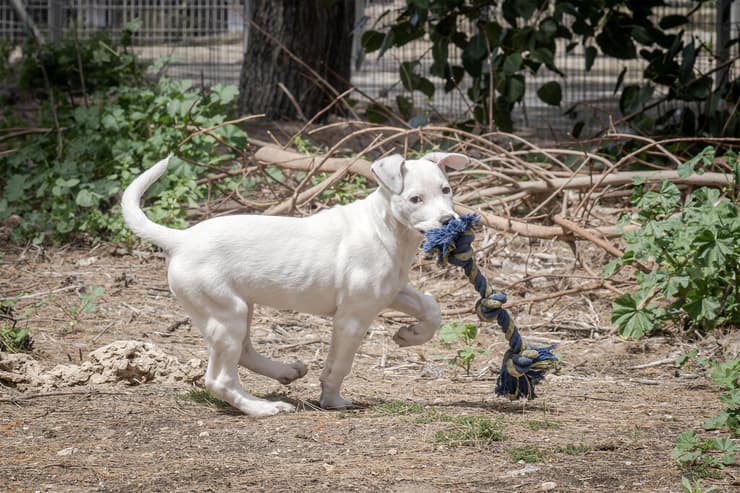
x: 550, y: 93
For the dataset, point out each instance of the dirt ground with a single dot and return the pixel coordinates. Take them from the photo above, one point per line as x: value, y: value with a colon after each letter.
x: 602, y: 423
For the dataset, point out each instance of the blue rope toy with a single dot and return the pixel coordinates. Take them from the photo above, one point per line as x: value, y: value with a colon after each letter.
x: 523, y: 365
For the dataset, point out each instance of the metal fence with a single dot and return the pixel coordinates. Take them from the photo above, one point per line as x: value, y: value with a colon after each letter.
x: 204, y: 40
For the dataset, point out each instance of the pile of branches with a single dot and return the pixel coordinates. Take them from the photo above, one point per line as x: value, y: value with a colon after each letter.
x: 515, y: 185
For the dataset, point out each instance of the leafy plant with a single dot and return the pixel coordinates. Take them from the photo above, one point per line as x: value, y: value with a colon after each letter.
x: 501, y: 42
x: 702, y: 457
x: 727, y: 375
x: 346, y: 191
x: 87, y: 305
x: 705, y: 457
x: 65, y: 183
x: 695, y: 486
x: 458, y: 332
x: 12, y: 338
x: 695, y: 247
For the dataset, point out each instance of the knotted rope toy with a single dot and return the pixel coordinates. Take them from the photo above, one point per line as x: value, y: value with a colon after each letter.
x: 523, y: 365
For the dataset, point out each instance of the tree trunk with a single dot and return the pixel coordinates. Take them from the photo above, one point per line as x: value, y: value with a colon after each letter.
x: 317, y: 35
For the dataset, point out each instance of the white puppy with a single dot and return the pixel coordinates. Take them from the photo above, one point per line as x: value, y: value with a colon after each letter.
x: 349, y: 262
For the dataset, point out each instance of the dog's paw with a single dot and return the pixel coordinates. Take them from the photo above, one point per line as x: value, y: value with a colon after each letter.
x: 411, y: 336
x: 335, y: 403
x: 269, y: 408
x: 295, y: 371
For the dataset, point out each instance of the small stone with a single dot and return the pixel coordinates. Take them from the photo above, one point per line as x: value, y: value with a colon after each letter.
x: 68, y: 451
x: 548, y: 486
x: 392, y: 451
x: 204, y: 434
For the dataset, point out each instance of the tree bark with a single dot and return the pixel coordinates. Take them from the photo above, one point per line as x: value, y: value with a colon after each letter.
x: 319, y: 36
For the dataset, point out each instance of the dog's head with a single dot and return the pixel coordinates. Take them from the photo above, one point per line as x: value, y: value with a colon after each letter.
x: 420, y: 195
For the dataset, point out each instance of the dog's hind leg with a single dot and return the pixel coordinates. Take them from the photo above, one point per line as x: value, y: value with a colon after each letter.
x: 224, y: 335
x: 251, y: 359
x: 422, y: 307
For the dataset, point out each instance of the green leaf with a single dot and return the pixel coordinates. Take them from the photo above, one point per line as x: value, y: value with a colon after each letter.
x: 610, y: 268
x: 686, y: 441
x: 15, y: 187
x: 551, y: 93
x: 512, y: 63
x: 672, y: 21
x: 615, y: 38
x: 514, y: 88
x: 377, y: 113
x: 372, y: 41
x: 632, y: 321
x: 405, y: 106
x: 634, y: 97
x: 620, y: 79
x: 700, y: 89
x: 224, y: 94
x: 590, y: 55
x: 86, y: 198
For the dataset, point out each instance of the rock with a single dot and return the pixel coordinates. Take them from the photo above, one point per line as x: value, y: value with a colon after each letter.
x: 528, y: 469
x: 19, y: 370
x: 68, y: 451
x: 548, y: 486
x: 121, y: 362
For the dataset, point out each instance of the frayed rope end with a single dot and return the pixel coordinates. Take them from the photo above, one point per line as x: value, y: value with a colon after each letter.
x: 521, y: 372
x: 442, y: 240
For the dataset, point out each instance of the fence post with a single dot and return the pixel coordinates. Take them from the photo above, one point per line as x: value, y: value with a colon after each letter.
x: 724, y: 27
x: 56, y: 20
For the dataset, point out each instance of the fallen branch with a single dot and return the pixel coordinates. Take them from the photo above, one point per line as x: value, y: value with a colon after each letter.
x: 276, y: 156
x: 588, y: 235
x: 582, y: 182
x: 508, y: 225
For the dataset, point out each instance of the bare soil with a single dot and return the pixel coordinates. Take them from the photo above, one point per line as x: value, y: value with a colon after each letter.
x: 600, y: 424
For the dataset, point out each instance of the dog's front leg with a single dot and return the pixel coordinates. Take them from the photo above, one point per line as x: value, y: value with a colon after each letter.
x: 349, y: 329
x: 422, y: 307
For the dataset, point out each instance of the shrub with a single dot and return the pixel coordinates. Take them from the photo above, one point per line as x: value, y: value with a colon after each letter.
x: 695, y: 247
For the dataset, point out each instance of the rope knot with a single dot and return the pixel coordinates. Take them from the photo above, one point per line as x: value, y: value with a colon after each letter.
x: 489, y: 309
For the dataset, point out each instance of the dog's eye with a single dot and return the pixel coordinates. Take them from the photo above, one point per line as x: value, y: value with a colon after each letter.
x: 416, y: 199
x: 446, y: 190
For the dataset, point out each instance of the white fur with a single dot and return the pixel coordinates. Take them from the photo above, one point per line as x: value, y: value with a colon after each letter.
x: 349, y: 262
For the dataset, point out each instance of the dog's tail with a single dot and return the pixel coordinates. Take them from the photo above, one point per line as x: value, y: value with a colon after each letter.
x: 135, y: 218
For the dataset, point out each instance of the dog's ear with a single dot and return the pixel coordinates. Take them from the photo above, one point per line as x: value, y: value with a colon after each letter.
x: 448, y: 160
x: 390, y: 172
